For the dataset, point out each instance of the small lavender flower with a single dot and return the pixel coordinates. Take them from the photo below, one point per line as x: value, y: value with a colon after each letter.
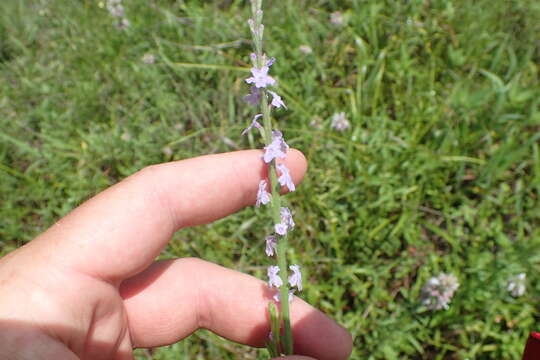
x: 277, y: 148
x: 296, y: 278
x: 286, y: 223
x: 263, y: 196
x: 271, y: 245
x: 273, y: 278
x: 254, y: 96
x: 270, y: 61
x: 285, y: 177
x: 516, y: 285
x: 437, y: 293
x: 276, y: 100
x: 286, y: 217
x: 281, y: 229
x: 340, y: 122
x: 260, y: 77
x: 254, y: 123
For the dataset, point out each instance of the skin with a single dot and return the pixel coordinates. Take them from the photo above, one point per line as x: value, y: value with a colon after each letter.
x: 89, y: 288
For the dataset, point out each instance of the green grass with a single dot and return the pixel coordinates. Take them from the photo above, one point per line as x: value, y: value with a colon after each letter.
x: 440, y: 171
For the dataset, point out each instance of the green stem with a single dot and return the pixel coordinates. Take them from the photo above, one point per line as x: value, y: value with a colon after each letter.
x: 282, y: 242
x: 284, y: 298
x: 275, y: 204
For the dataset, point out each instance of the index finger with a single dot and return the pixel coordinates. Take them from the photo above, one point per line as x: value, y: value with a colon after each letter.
x: 119, y: 232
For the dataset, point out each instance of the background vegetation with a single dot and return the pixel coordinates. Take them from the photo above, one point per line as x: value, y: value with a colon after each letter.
x: 439, y: 171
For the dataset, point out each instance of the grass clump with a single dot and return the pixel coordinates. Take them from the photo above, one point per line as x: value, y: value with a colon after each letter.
x: 438, y: 172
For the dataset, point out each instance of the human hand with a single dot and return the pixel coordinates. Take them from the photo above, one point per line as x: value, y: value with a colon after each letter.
x: 88, y: 288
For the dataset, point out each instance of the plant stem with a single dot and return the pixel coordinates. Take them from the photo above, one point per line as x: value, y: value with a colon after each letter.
x: 284, y: 296
x: 282, y: 243
x: 275, y: 188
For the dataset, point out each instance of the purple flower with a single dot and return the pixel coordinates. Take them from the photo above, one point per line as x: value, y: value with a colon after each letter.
x: 296, y: 278
x: 276, y: 100
x: 285, y: 177
x: 286, y: 217
x: 254, y: 97
x: 273, y: 278
x: 287, y: 222
x: 271, y: 244
x: 263, y: 197
x: 277, y: 148
x: 281, y: 229
x: 254, y: 123
x: 270, y: 61
x: 260, y: 77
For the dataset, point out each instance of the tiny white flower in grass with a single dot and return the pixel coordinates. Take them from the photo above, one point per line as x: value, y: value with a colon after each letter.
x: 516, y: 285
x: 273, y: 278
x: 305, y: 49
x: 296, y: 278
x: 337, y: 18
x: 271, y: 245
x: 263, y: 196
x: 340, y: 122
x: 148, y: 59
x: 285, y: 177
x: 167, y: 151
x: 316, y: 122
x: 115, y: 8
x: 126, y: 136
x: 437, y: 293
x: 124, y: 24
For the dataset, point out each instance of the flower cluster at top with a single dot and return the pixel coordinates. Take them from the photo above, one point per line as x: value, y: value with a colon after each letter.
x: 276, y: 149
